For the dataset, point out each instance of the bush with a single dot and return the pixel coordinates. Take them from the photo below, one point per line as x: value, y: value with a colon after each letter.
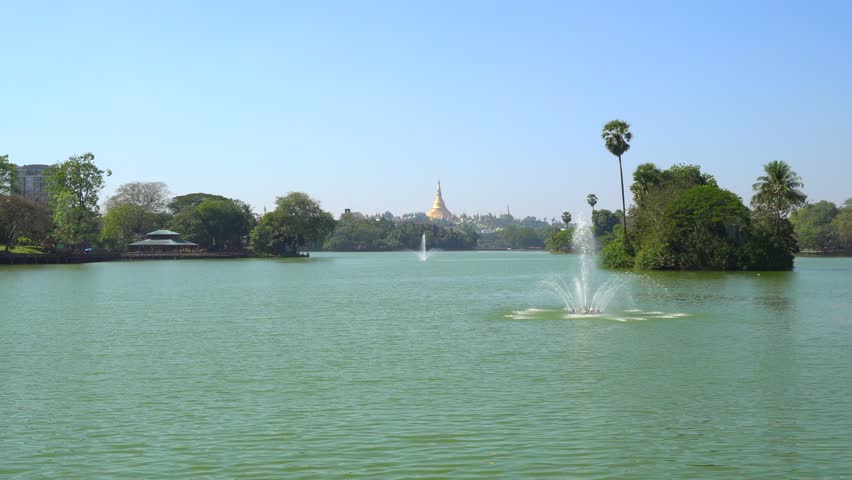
x: 656, y: 256
x: 615, y: 255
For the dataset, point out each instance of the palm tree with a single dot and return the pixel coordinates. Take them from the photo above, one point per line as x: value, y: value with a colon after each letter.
x: 616, y: 135
x: 592, y: 199
x: 778, y: 192
x: 566, y: 218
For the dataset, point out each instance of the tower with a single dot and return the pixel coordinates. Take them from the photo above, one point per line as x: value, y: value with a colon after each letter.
x: 439, y: 209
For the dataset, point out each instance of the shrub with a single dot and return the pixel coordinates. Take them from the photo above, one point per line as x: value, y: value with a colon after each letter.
x: 615, y: 255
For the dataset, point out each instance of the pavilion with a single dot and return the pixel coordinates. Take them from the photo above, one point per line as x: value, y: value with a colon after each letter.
x: 163, y: 241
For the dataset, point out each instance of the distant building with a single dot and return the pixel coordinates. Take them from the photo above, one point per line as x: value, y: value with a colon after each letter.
x: 439, y: 210
x: 31, y: 182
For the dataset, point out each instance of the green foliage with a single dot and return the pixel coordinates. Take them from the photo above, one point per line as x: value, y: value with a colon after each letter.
x: 514, y: 236
x: 655, y: 256
x: 296, y: 221
x: 771, y: 245
x: 603, y: 224
x: 777, y: 193
x: 136, y: 209
x: 842, y: 226
x: 616, y: 135
x: 124, y: 224
x: 20, y: 216
x: 592, y: 200
x: 74, y: 186
x: 702, y: 229
x: 566, y: 218
x: 654, y: 190
x: 681, y: 219
x: 212, y: 221
x: 560, y: 240
x: 355, y: 232
x: 616, y: 255
x: 813, y: 225
x: 8, y: 176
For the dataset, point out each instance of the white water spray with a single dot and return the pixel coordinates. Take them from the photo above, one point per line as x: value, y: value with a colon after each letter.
x: 583, y: 296
x: 423, y: 254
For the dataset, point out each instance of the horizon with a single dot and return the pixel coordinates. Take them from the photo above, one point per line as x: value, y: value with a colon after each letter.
x: 366, y: 106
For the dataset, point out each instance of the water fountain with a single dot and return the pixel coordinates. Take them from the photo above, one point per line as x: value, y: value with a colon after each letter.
x: 583, y: 296
x: 423, y: 254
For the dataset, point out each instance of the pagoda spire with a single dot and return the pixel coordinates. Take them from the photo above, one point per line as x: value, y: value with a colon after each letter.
x: 439, y: 209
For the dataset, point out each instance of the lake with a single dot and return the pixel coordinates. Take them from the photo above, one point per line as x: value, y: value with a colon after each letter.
x: 378, y: 365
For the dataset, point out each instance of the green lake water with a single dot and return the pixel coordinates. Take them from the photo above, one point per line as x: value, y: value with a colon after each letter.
x: 383, y: 366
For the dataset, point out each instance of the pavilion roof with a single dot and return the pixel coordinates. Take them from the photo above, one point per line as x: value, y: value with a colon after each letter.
x: 169, y: 242
x: 162, y: 232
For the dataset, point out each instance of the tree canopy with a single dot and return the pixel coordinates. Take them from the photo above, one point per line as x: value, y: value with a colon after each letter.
x: 778, y: 192
x: 813, y: 225
x: 74, y: 186
x: 214, y: 222
x: 22, y: 217
x: 152, y: 197
x: 682, y: 220
x: 8, y: 176
x: 297, y: 220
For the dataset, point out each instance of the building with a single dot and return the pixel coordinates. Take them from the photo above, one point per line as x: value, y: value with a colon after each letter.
x: 439, y: 210
x: 163, y: 241
x: 31, y: 182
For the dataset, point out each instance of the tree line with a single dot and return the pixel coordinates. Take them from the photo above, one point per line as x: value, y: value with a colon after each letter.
x: 679, y: 219
x: 72, y: 219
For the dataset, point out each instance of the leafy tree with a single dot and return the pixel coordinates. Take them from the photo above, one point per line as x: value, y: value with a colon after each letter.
x: 842, y: 226
x: 646, y: 176
x: 566, y: 218
x: 702, y: 229
x: 778, y: 192
x: 603, y: 224
x: 614, y: 254
x: 124, y: 224
x: 74, y: 186
x: 522, y: 237
x: 354, y: 231
x: 152, y: 197
x: 681, y: 219
x: 213, y: 222
x: 22, y: 217
x: 617, y: 136
x: 812, y: 224
x: 592, y: 200
x: 296, y: 220
x: 654, y: 190
x: 560, y: 240
x: 8, y: 176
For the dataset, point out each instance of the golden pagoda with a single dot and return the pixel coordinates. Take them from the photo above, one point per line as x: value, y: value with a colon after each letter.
x: 439, y: 209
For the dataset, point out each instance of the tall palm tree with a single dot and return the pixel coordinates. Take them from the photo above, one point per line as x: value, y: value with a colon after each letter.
x: 592, y: 199
x: 616, y: 135
x: 778, y: 192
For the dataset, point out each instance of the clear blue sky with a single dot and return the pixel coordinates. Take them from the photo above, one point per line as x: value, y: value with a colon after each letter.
x: 364, y: 105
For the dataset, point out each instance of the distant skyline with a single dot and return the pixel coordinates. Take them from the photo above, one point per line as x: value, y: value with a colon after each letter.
x: 365, y: 105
